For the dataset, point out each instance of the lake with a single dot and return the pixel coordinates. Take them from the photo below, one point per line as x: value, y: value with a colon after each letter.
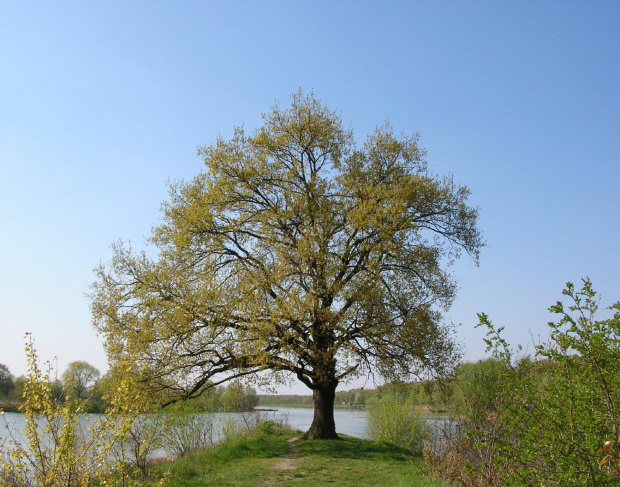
x: 350, y: 422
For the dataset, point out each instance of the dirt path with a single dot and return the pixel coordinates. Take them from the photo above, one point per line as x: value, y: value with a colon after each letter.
x: 289, y: 462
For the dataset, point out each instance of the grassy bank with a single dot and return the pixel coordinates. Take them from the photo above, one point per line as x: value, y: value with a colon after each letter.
x: 277, y: 459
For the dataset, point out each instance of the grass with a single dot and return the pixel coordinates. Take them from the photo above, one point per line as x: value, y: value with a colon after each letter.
x: 275, y: 460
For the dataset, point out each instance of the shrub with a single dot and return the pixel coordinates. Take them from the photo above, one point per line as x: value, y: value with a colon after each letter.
x: 60, y: 449
x: 477, y: 387
x: 566, y: 405
x: 144, y: 437
x: 188, y: 431
x: 555, y: 418
x: 395, y: 420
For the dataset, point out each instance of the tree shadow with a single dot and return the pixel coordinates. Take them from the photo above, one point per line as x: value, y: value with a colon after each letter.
x: 353, y: 448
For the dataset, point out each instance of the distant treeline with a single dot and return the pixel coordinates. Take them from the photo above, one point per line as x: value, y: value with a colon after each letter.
x: 84, y: 381
x: 419, y: 394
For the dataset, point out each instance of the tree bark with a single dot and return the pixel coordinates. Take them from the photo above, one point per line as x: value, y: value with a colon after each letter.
x: 323, y: 426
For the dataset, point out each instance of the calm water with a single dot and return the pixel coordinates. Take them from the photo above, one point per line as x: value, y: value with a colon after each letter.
x: 350, y: 422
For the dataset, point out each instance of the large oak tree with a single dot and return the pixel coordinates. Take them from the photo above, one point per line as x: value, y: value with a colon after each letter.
x: 294, y: 252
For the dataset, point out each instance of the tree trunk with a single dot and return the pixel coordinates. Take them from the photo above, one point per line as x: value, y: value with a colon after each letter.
x: 323, y: 426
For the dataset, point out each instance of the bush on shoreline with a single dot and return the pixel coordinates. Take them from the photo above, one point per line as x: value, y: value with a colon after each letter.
x: 57, y: 449
x: 552, y: 419
x: 397, y: 421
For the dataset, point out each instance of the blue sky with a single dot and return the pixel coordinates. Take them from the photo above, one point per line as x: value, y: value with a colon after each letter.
x: 102, y: 102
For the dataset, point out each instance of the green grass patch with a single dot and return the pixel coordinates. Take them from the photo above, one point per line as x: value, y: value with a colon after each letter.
x: 271, y: 460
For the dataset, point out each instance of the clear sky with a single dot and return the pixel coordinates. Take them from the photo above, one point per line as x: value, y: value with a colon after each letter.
x: 101, y: 102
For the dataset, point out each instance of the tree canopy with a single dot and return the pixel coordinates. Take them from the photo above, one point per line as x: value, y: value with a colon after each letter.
x: 80, y: 377
x: 295, y: 252
x: 7, y: 381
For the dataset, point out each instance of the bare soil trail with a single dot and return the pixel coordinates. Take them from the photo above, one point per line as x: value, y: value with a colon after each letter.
x: 290, y: 462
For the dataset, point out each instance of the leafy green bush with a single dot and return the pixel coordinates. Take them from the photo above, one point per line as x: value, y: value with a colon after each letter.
x: 555, y: 417
x: 395, y: 420
x: 476, y: 389
x: 566, y: 405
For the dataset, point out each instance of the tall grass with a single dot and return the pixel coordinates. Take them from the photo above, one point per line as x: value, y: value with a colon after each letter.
x: 185, y: 432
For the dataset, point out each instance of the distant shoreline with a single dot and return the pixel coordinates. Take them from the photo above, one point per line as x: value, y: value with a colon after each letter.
x: 9, y: 407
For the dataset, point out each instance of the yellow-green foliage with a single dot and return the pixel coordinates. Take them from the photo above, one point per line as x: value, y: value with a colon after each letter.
x: 295, y: 251
x: 60, y: 448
